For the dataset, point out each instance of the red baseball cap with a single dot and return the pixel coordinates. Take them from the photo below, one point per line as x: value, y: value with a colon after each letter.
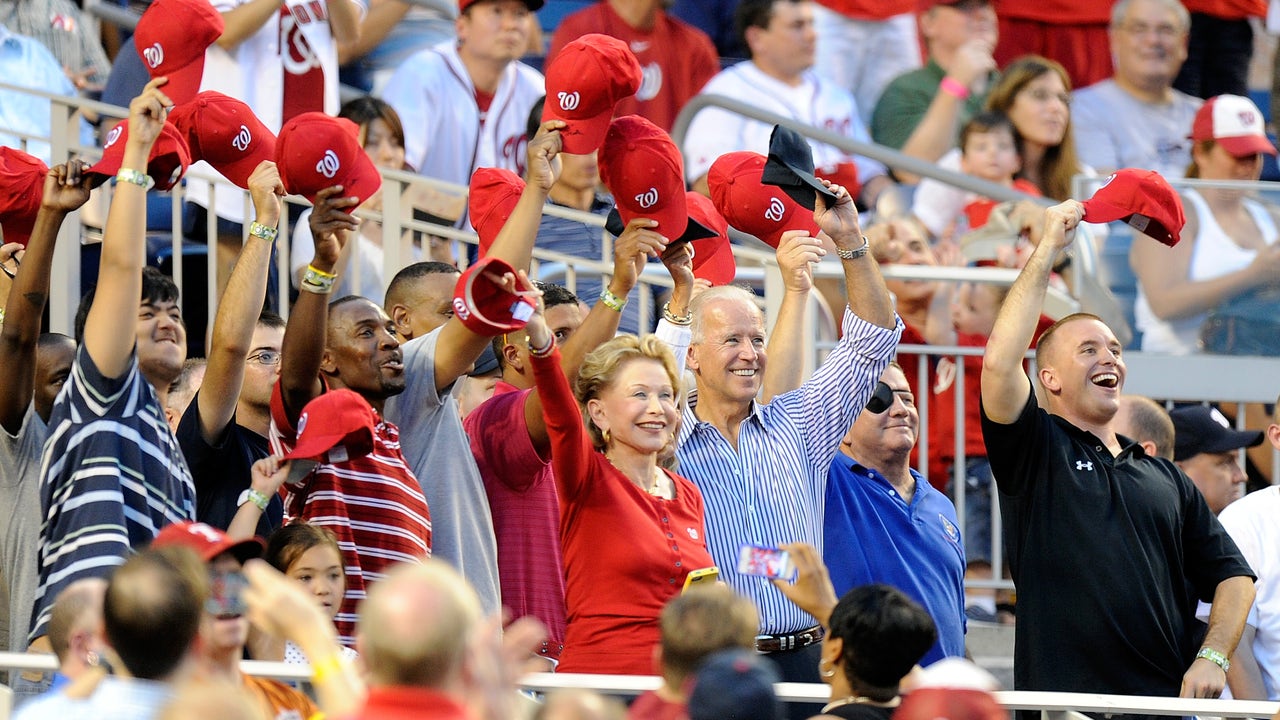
x: 206, y: 540
x: 225, y: 133
x: 1233, y: 122
x: 494, y: 194
x: 584, y: 82
x: 21, y: 190
x: 923, y: 6
x: 641, y: 166
x: 1143, y: 200
x: 464, y: 4
x: 712, y: 256
x: 315, y: 151
x: 169, y: 158
x: 946, y: 703
x: 335, y: 427
x: 749, y: 205
x: 483, y: 306
x: 171, y: 38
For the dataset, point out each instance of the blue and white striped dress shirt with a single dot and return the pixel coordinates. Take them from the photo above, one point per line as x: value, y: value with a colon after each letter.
x: 770, y: 490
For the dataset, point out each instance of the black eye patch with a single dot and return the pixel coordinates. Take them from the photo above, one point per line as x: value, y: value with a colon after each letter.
x: 881, y: 399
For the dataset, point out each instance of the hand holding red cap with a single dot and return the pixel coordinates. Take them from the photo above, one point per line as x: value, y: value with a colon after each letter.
x: 1143, y: 200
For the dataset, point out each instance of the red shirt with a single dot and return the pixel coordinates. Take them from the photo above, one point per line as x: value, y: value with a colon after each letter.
x: 1055, y: 12
x: 979, y: 211
x: 526, y: 511
x: 410, y: 703
x: 677, y: 58
x: 626, y: 552
x: 870, y: 9
x: 650, y: 706
x: 1228, y: 9
x: 373, y: 504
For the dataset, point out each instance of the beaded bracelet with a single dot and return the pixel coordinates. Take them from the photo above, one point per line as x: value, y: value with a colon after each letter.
x: 682, y: 320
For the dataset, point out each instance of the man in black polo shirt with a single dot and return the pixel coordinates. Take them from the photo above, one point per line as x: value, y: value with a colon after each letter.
x: 1109, y: 546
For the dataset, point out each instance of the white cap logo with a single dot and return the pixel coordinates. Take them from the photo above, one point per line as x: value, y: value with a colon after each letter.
x: 460, y: 309
x: 328, y: 165
x: 648, y: 199
x: 302, y: 424
x: 114, y: 135
x: 154, y: 55
x: 569, y: 100
x: 242, y: 139
x: 775, y: 210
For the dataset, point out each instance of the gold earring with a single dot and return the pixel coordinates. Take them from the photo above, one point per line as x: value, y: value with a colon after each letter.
x: 826, y: 669
x: 605, y: 435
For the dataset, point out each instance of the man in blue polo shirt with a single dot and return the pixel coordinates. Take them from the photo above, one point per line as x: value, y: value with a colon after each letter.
x: 886, y: 524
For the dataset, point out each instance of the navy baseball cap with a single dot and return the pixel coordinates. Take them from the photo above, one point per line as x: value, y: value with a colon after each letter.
x: 1202, y: 429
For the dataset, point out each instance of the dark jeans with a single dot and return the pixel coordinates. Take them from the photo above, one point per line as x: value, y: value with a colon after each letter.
x: 799, y: 666
x: 1218, y: 53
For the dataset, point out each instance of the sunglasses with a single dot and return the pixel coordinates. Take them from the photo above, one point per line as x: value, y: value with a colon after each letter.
x: 881, y: 399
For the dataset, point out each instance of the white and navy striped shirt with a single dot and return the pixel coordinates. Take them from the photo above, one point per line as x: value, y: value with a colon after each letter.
x: 770, y: 491
x: 111, y: 477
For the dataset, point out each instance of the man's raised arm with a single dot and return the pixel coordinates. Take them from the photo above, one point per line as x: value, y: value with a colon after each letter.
x: 240, y: 306
x: 1005, y: 385
x: 66, y: 188
x: 458, y: 347
x: 868, y: 297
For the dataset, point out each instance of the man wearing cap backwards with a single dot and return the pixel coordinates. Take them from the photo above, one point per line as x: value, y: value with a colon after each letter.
x: 107, y: 427
x: 779, y: 452
x: 921, y: 112
x: 463, y: 103
x: 780, y: 78
x: 1207, y: 449
x: 36, y: 365
x: 224, y: 626
x: 1251, y: 522
x: 1090, y: 524
x: 1136, y: 118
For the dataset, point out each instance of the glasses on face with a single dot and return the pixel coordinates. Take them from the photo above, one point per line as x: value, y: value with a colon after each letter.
x: 265, y: 357
x: 1164, y: 31
x: 1041, y: 95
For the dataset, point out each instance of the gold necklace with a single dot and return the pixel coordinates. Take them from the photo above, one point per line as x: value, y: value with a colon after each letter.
x: 860, y: 700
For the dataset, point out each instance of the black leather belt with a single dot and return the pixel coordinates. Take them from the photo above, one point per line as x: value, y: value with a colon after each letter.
x: 786, y: 643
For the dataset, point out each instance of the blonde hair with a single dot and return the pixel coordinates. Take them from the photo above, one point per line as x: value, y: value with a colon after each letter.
x: 1060, y: 162
x: 601, y: 367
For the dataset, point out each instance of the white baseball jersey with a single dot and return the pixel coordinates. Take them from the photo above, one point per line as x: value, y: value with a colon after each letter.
x: 254, y: 72
x: 815, y: 101
x: 445, y: 136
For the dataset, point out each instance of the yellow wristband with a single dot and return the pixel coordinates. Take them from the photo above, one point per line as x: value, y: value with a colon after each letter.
x: 611, y: 301
x: 321, y: 273
x: 328, y: 667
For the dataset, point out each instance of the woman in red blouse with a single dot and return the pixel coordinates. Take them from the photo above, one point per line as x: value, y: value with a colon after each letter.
x: 631, y: 531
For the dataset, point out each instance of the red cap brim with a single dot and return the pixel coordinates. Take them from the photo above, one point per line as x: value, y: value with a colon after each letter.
x: 1246, y: 145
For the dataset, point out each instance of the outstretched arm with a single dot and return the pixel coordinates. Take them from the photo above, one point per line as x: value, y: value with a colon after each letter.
x: 1231, y: 602
x: 65, y: 190
x: 332, y: 226
x: 1005, y: 385
x: 265, y: 478
x: 239, y: 308
x: 785, y: 371
x: 868, y: 296
x: 458, y: 347
x: 123, y: 244
x: 637, y: 242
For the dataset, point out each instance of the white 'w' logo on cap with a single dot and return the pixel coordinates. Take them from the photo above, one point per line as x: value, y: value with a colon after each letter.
x: 328, y: 165
x: 569, y: 100
x: 114, y: 135
x: 242, y: 139
x: 648, y: 199
x: 775, y: 210
x: 154, y: 55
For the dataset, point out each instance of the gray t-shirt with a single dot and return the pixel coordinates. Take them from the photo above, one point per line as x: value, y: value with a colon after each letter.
x: 439, y: 453
x: 1114, y: 130
x: 20, y: 500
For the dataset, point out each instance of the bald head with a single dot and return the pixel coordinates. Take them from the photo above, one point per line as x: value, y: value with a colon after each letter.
x: 416, y: 625
x: 1145, y: 422
x: 77, y: 611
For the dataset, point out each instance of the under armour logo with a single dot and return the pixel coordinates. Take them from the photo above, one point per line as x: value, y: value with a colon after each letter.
x: 1084, y: 465
x: 775, y: 210
x: 648, y: 199
x: 114, y: 135
x: 328, y: 165
x: 569, y: 100
x: 154, y: 55
x: 242, y: 139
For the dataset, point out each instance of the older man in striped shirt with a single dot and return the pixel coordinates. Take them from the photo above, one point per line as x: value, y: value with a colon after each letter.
x: 762, y: 468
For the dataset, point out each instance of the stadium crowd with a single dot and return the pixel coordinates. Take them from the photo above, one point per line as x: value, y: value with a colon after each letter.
x: 428, y: 484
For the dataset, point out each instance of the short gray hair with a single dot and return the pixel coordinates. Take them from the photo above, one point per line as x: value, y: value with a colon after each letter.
x: 1121, y: 9
x: 721, y: 292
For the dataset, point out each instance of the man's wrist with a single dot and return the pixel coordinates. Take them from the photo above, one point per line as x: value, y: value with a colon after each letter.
x: 856, y: 251
x: 1215, y: 657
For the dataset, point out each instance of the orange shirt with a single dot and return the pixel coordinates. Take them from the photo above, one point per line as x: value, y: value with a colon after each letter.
x: 282, y: 701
